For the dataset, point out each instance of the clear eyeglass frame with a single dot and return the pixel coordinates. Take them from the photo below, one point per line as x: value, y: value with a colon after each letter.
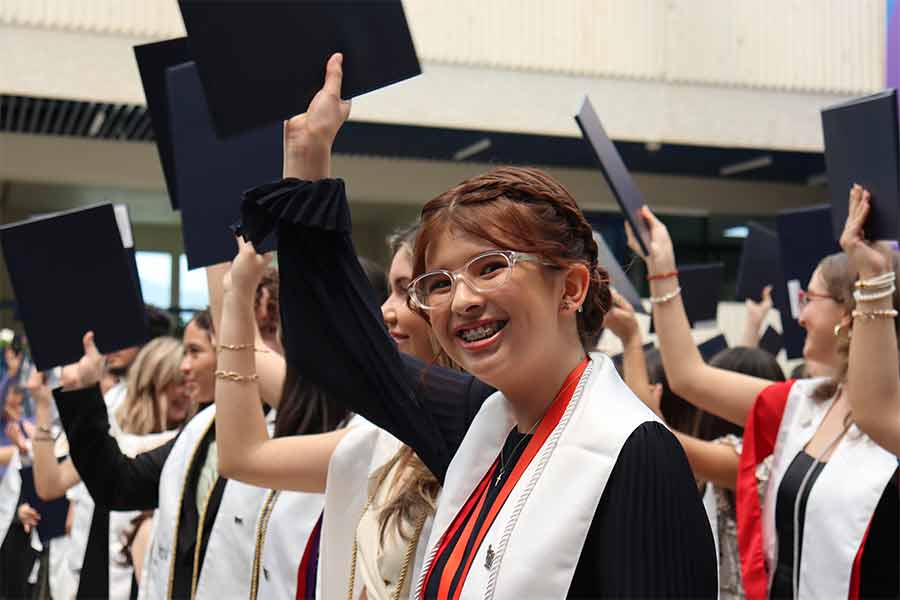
x: 417, y: 289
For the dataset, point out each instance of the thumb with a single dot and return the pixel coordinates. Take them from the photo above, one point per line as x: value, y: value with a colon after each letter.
x: 90, y: 348
x: 334, y: 74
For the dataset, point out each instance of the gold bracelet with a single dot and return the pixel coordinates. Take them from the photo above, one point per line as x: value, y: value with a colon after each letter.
x: 236, y: 377
x: 242, y: 347
x: 886, y: 313
x: 883, y: 280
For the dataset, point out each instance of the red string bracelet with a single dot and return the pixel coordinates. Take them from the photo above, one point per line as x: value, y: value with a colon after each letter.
x: 659, y: 276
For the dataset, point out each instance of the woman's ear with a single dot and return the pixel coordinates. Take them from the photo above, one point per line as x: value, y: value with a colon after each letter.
x: 576, y: 283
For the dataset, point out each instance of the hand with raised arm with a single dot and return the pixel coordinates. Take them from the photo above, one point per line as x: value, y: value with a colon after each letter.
x: 308, y: 137
x: 87, y: 371
x: 756, y: 316
x: 724, y: 393
x: 873, y: 381
x: 51, y: 478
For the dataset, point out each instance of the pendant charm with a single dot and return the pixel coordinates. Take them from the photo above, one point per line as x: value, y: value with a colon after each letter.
x: 489, y: 557
x: 499, y: 477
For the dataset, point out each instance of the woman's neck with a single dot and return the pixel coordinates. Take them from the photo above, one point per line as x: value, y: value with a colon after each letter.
x: 535, y: 393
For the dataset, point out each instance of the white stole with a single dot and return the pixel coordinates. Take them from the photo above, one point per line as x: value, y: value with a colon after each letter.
x: 535, y: 555
x: 841, y: 502
x: 360, y: 454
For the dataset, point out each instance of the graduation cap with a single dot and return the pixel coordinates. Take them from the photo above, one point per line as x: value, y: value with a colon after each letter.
x: 861, y: 146
x: 613, y: 168
x: 617, y: 275
x: 804, y: 239
x: 212, y: 174
x: 74, y: 272
x: 153, y: 60
x: 53, y: 512
x: 262, y: 62
x: 771, y: 341
x: 760, y: 263
x: 712, y: 346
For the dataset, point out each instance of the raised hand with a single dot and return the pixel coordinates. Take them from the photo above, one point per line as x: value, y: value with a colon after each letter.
x: 662, y: 255
x: 87, y: 371
x: 247, y: 269
x: 867, y: 258
x: 308, y: 137
x: 621, y: 318
x: 38, y: 389
x: 28, y: 516
x: 757, y: 311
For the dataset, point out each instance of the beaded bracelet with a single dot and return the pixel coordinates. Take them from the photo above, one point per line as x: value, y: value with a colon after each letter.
x: 242, y: 347
x: 883, y: 280
x: 665, y: 297
x: 887, y: 313
x: 879, y: 295
x: 659, y: 276
x: 236, y: 377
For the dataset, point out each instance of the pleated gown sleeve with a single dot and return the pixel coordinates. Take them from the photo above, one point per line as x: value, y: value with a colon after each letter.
x: 115, y: 481
x: 650, y: 537
x: 333, y: 329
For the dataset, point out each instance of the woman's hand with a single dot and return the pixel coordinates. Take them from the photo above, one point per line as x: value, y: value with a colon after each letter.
x: 662, y: 255
x: 38, y: 389
x: 28, y: 516
x: 308, y: 137
x: 867, y: 258
x: 14, y: 434
x: 247, y: 270
x: 87, y: 371
x: 621, y: 319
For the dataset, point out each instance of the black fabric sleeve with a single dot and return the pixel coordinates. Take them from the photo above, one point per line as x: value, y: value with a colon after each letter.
x: 333, y: 329
x: 650, y: 536
x: 115, y: 481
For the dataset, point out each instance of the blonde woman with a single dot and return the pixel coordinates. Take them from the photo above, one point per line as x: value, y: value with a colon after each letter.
x: 155, y: 405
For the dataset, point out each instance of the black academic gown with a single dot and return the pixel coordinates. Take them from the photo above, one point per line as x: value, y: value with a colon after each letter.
x: 650, y: 535
x: 118, y: 482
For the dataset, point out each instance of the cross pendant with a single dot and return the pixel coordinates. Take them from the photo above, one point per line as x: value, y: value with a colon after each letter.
x: 499, y: 477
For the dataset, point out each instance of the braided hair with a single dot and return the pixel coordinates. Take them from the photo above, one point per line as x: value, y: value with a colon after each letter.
x: 523, y: 209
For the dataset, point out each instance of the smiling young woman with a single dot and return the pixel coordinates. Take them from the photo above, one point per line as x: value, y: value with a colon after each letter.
x: 563, y: 483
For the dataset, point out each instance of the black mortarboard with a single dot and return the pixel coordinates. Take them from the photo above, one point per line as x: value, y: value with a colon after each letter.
x: 74, y: 272
x: 617, y: 275
x: 760, y: 263
x: 771, y: 341
x: 262, y: 62
x: 153, y: 60
x: 861, y: 146
x: 53, y: 512
x: 712, y: 346
x: 212, y: 174
x: 804, y: 239
x: 617, y: 176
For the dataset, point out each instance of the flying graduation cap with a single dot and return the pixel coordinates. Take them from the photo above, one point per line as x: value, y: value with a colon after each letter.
x: 81, y: 277
x: 861, y: 146
x: 262, y: 62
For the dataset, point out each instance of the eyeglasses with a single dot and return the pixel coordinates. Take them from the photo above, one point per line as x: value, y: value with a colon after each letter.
x: 485, y: 272
x: 806, y: 297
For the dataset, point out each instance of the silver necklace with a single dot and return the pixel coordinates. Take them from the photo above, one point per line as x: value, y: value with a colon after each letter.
x: 513, y: 453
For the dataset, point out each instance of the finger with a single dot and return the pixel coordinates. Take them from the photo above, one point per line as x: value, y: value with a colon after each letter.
x: 767, y: 294
x: 90, y: 347
x: 334, y: 74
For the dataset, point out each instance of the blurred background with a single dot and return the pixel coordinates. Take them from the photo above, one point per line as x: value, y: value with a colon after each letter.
x: 714, y: 105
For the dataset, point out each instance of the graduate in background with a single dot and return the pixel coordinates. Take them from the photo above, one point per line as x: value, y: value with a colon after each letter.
x: 825, y: 527
x: 203, y: 538
x: 501, y: 261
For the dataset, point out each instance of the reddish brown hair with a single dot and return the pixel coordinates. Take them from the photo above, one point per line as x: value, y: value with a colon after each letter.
x: 522, y: 209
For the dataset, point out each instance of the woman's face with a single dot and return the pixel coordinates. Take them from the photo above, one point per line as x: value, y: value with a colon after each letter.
x: 178, y: 403
x: 818, y: 318
x: 410, y: 331
x: 485, y: 332
x: 199, y: 364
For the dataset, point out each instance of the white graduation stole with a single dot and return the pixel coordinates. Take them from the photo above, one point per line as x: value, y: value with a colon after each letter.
x: 533, y: 556
x: 841, y: 502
